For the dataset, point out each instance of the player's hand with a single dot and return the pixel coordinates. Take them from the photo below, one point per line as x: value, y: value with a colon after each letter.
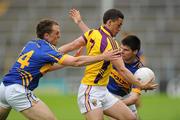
x: 149, y: 85
x: 112, y: 54
x: 75, y: 15
x: 79, y: 52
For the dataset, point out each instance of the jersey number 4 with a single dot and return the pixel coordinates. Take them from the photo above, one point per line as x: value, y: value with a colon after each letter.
x: 24, y: 59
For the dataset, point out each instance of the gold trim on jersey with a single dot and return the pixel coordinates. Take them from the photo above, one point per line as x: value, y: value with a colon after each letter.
x: 136, y: 90
x: 120, y: 79
x: 45, y: 68
x: 26, y: 77
x: 23, y: 80
x: 60, y: 61
x: 63, y: 58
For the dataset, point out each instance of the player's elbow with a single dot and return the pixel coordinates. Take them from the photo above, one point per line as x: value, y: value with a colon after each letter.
x: 131, y: 117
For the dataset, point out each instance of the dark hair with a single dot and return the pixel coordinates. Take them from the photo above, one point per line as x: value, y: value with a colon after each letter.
x: 132, y: 41
x: 44, y: 26
x: 112, y: 14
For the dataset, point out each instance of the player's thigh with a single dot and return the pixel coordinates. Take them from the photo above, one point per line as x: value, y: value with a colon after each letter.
x: 120, y: 111
x: 4, y: 113
x: 96, y: 114
x: 90, y: 98
x: 39, y: 111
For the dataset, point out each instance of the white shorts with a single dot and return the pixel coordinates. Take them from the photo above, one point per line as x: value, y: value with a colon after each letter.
x: 131, y: 107
x: 17, y: 97
x: 92, y: 97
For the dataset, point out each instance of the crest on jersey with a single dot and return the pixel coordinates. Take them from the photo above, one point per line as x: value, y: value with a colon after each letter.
x: 94, y: 102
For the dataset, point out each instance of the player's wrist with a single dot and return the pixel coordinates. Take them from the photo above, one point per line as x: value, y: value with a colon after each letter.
x: 143, y: 86
x: 78, y: 21
x: 102, y: 57
x: 140, y: 85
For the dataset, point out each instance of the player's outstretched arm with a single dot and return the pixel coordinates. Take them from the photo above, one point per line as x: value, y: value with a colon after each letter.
x: 59, y: 66
x: 75, y: 15
x: 119, y: 64
x: 86, y: 60
x: 56, y: 67
x: 75, y: 44
x: 79, y: 42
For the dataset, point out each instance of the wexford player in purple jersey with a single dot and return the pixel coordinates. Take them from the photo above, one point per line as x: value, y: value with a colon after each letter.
x: 94, y: 99
x: 36, y: 58
x: 132, y: 57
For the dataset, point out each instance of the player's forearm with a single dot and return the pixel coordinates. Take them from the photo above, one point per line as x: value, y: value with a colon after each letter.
x: 86, y: 60
x: 56, y: 67
x: 67, y: 47
x: 75, y: 44
x: 82, y: 26
x: 125, y: 72
x: 128, y: 101
x: 130, y: 77
x: 131, y: 99
x: 76, y: 16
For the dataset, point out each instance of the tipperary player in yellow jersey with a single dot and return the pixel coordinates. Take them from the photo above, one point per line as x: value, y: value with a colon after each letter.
x: 36, y: 58
x: 94, y: 99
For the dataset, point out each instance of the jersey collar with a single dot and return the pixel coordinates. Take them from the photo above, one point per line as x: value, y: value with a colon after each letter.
x: 106, y: 30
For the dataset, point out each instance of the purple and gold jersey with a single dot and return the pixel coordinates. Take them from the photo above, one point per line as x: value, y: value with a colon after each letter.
x: 98, y: 41
x: 118, y: 85
x: 35, y: 60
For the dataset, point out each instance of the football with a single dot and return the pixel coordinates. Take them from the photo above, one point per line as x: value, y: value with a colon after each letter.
x: 145, y: 74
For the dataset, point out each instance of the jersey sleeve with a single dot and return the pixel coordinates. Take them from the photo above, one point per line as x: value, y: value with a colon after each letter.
x: 52, y: 55
x: 136, y: 90
x: 87, y: 35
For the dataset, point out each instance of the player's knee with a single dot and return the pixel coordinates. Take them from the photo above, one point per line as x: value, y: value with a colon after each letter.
x: 3, y: 117
x: 50, y: 118
x: 132, y: 117
x: 4, y: 113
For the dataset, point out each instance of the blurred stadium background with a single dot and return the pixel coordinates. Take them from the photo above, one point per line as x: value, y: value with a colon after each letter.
x: 156, y: 22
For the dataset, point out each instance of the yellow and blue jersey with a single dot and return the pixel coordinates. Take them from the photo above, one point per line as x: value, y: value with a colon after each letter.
x: 34, y: 60
x: 118, y: 85
x: 98, y: 41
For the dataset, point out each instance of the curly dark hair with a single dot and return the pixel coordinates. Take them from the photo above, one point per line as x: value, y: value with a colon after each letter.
x: 44, y: 26
x: 112, y: 14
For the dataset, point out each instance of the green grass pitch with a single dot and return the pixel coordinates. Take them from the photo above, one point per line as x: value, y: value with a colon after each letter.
x: 153, y: 107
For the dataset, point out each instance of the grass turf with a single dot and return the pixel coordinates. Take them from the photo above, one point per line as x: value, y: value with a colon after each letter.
x: 153, y: 107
